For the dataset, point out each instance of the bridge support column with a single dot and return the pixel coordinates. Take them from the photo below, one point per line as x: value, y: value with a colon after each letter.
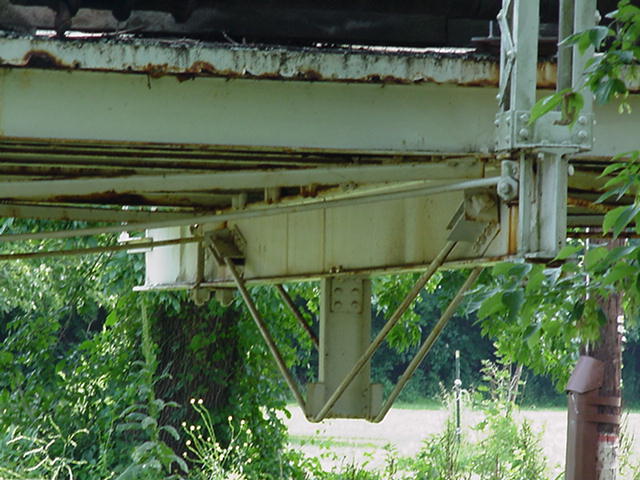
x: 345, y: 335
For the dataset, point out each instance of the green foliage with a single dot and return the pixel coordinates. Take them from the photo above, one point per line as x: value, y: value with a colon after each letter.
x: 214, y: 461
x: 569, y: 101
x: 541, y: 316
x: 606, y: 73
x: 74, y: 347
x: 152, y: 458
x: 444, y: 456
x: 510, y: 450
x: 48, y: 457
x: 507, y: 449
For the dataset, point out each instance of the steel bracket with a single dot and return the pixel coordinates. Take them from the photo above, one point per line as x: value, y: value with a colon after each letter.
x: 477, y: 218
x: 507, y: 187
x: 227, y: 243
x: 516, y: 132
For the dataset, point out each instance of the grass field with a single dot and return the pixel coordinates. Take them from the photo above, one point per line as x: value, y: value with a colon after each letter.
x: 341, y: 442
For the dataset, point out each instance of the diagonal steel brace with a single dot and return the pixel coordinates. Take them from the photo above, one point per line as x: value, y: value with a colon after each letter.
x: 286, y: 298
x: 428, y: 343
x: 382, y: 335
x: 264, y: 331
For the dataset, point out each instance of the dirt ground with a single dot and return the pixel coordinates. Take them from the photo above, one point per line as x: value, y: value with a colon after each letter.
x: 341, y: 442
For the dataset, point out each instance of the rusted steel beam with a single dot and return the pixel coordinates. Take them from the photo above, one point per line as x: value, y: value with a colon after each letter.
x: 189, y: 59
x: 240, y: 180
x: 265, y: 211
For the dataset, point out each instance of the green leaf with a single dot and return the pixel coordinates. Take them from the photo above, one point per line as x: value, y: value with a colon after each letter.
x: 594, y: 256
x: 577, y: 311
x: 520, y: 270
x: 491, y: 306
x: 171, y: 431
x: 618, y: 192
x: 606, y: 89
x: 111, y: 319
x: 567, y: 251
x: 619, y: 218
x: 618, y: 272
x: 546, y: 104
x: 182, y: 464
x: 612, y: 168
x: 123, y: 427
x: 6, y: 358
x: 536, y: 279
x: 513, y: 301
x: 140, y: 450
x: 618, y: 253
x: 596, y: 36
x: 502, y: 268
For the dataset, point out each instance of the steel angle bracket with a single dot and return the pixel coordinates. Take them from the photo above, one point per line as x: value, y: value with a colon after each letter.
x: 477, y: 219
x: 516, y: 132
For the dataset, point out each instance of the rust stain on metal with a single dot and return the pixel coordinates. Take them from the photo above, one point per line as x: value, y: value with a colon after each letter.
x: 156, y: 70
x: 104, y: 198
x: 596, y: 207
x: 43, y: 59
x: 463, y: 70
x: 512, y: 247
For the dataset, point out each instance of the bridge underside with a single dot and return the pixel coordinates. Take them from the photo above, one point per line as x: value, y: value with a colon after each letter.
x: 269, y: 164
x: 152, y: 133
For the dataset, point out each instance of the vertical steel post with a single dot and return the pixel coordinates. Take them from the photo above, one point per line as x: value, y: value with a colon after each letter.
x: 541, y: 147
x: 565, y: 52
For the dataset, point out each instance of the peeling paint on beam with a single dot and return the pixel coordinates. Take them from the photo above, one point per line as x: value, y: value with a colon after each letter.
x: 246, y: 179
x: 188, y: 59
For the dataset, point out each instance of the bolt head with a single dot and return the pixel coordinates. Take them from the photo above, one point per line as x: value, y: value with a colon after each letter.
x: 504, y: 189
x: 582, y: 120
x: 583, y: 135
x: 523, y: 133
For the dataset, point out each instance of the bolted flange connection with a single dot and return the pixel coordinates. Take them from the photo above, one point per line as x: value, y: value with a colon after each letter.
x: 507, y: 187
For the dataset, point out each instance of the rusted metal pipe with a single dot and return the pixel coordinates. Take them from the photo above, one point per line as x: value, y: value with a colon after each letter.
x: 264, y: 331
x: 428, y: 343
x: 395, y: 317
x: 286, y: 298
